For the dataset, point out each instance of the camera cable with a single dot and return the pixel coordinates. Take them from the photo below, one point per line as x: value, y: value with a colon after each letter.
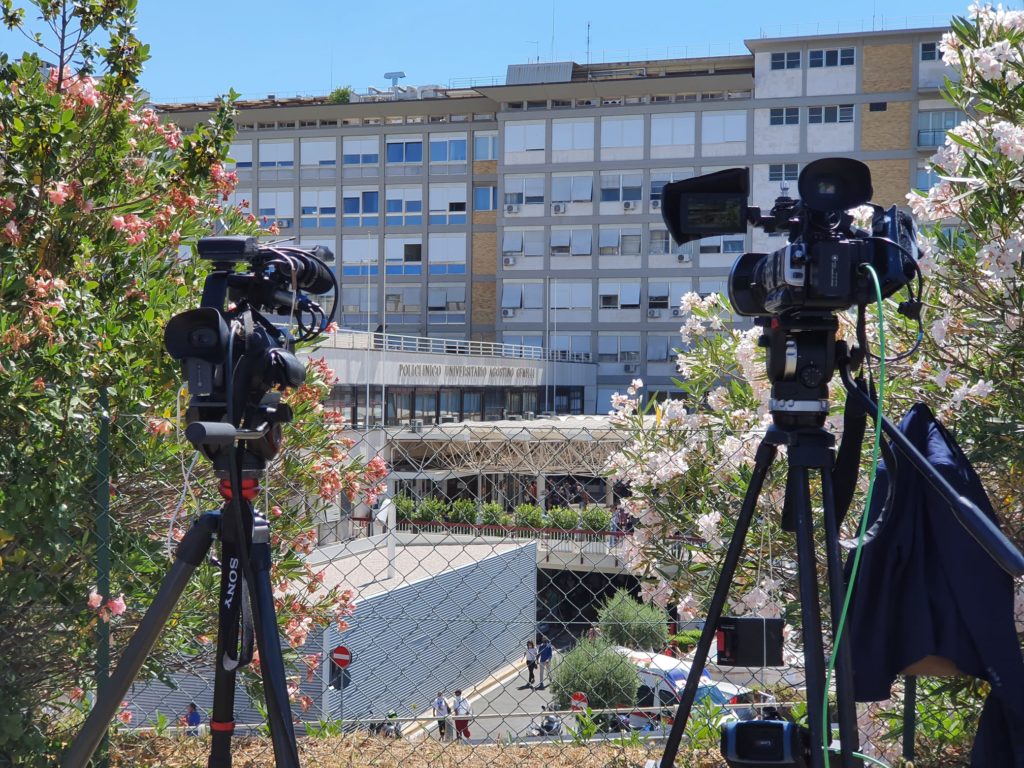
x: 862, y: 529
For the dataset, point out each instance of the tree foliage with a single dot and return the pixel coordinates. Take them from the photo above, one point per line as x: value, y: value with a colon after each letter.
x: 595, y: 668
x: 624, y: 620
x: 97, y: 196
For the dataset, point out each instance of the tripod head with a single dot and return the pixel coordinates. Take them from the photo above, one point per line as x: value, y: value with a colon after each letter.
x: 238, y: 360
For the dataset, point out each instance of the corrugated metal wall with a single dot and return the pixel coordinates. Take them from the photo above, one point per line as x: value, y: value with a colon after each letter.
x: 441, y: 633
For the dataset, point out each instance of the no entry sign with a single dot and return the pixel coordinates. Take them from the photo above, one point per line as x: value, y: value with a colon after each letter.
x: 341, y: 656
x: 579, y: 701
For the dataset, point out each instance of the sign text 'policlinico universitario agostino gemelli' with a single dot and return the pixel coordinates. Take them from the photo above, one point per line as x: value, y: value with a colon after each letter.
x: 440, y: 373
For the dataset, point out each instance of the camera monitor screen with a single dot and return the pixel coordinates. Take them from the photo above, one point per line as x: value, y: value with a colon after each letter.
x: 713, y: 213
x: 712, y: 204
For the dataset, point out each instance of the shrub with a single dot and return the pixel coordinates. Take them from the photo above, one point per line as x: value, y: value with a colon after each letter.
x: 596, y: 518
x: 624, y: 620
x: 405, y: 507
x: 565, y: 518
x: 340, y: 95
x: 463, y: 511
x: 493, y: 513
x: 608, y: 678
x: 430, y: 510
x: 529, y: 516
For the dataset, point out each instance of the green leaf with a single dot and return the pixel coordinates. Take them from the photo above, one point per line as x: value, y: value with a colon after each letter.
x: 18, y: 124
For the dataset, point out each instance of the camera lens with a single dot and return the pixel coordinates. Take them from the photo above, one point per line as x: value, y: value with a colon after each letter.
x: 203, y: 338
x: 745, y: 294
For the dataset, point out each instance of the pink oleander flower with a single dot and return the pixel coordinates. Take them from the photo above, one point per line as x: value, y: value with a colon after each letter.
x: 125, y: 715
x: 136, y: 237
x: 76, y: 694
x: 6, y: 204
x: 11, y: 233
x: 117, y: 605
x: 59, y: 193
x: 117, y: 222
x: 95, y: 600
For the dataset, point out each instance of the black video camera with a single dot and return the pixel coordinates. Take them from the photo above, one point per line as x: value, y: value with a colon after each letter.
x: 821, y: 269
x: 238, y: 360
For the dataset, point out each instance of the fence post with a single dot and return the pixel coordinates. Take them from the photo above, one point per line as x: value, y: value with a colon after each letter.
x: 103, y: 560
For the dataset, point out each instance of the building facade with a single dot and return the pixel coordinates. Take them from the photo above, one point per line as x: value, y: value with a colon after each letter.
x: 529, y: 213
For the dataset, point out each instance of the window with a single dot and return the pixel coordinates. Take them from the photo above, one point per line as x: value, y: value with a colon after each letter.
x: 241, y: 153
x: 522, y: 295
x: 721, y: 127
x: 616, y: 241
x: 403, y: 255
x: 571, y: 242
x: 522, y: 242
x: 925, y: 179
x: 360, y: 151
x: 277, y: 207
x: 841, y: 113
x: 784, y: 116
x: 660, y: 178
x: 572, y: 134
x: 485, y: 146
x: 446, y: 304
x: 783, y: 172
x: 663, y: 295
x: 659, y: 348
x: 360, y: 207
x: 277, y: 154
x: 620, y: 132
x: 523, y: 136
x: 446, y: 253
x: 830, y: 57
x: 358, y: 300
x: 929, y: 51
x: 932, y: 126
x: 722, y: 244
x: 571, y: 346
x: 240, y: 199
x: 567, y: 295
x: 524, y: 190
x: 447, y: 203
x: 318, y: 208
x: 403, y: 299
x: 709, y: 286
x: 672, y: 130
x: 621, y: 349
x: 618, y: 295
x: 485, y: 197
x: 318, y: 158
x: 659, y: 242
x: 786, y: 60
x: 568, y: 188
x: 404, y: 206
x: 359, y: 257
x: 404, y: 151
x: 621, y: 186
x: 448, y: 154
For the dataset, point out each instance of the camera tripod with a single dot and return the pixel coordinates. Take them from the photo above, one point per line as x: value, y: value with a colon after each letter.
x: 802, y: 356
x: 245, y: 587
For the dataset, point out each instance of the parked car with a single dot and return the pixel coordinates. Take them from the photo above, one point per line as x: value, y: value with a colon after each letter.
x: 662, y: 680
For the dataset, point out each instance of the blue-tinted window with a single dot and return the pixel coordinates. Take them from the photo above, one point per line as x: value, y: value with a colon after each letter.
x: 414, y: 152
x: 485, y: 198
x: 350, y: 205
x: 370, y: 202
x: 396, y: 153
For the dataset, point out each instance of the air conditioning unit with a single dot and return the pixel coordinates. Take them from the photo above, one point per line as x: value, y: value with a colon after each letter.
x: 684, y: 258
x: 677, y: 312
x: 558, y: 207
x: 655, y: 205
x: 630, y: 205
x: 654, y: 313
x: 415, y: 425
x: 631, y: 367
x: 508, y: 261
x: 508, y: 312
x: 511, y: 209
x: 529, y: 415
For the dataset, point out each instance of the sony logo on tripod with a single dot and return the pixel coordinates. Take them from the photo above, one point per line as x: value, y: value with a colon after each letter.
x: 232, y: 581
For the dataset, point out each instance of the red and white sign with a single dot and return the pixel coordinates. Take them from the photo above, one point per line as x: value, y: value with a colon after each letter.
x: 579, y: 701
x: 341, y: 656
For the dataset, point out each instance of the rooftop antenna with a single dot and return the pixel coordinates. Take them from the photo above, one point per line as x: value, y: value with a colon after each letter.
x: 588, y: 43
x: 394, y: 77
x: 552, y: 30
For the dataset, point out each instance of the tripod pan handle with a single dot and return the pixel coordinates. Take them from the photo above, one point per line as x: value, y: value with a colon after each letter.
x: 211, y: 433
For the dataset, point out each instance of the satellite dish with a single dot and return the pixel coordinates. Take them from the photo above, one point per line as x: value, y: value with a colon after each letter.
x: 394, y: 77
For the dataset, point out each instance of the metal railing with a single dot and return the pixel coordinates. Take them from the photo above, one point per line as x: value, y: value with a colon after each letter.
x: 362, y: 340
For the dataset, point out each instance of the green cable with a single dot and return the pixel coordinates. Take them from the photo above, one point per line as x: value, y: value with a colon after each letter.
x: 826, y: 730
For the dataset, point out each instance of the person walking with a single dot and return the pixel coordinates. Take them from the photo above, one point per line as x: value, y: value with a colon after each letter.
x: 463, y: 710
x: 193, y: 720
x: 544, y: 654
x: 441, y: 712
x: 531, y: 661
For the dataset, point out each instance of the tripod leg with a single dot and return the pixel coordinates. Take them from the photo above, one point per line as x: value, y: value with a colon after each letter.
x: 848, y: 735
x: 762, y: 462
x: 268, y: 640
x: 810, y: 611
x: 190, y: 554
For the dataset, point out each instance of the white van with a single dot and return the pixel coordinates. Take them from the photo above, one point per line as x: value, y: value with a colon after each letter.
x: 662, y: 680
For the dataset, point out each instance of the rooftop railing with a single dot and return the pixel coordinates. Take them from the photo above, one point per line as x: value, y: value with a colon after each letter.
x: 391, y: 342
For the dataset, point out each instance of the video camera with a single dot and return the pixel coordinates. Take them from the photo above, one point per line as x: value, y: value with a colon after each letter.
x: 820, y: 269
x: 234, y: 355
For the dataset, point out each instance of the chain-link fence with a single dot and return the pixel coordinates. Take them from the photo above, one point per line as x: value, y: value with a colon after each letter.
x: 484, y: 610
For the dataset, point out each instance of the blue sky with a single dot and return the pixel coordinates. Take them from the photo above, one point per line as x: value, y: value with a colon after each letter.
x: 201, y: 48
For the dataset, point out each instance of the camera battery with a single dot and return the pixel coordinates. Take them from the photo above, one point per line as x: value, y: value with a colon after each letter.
x: 754, y: 743
x: 749, y: 641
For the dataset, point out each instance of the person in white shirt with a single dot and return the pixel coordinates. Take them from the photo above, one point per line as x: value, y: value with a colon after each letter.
x: 441, y: 712
x: 463, y: 711
x: 531, y: 661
